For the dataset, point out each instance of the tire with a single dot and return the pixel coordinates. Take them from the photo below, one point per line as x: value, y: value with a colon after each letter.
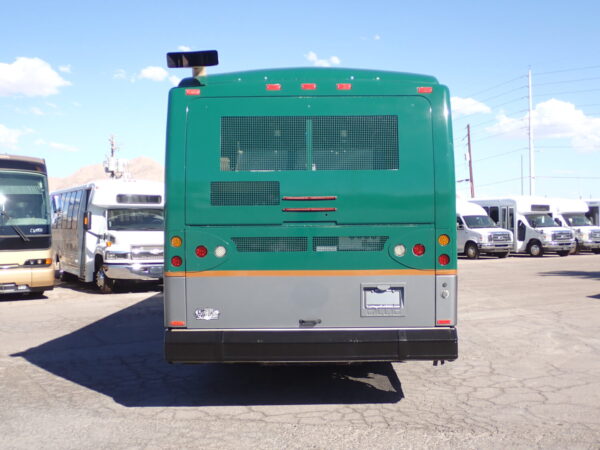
x: 564, y: 253
x: 535, y: 249
x: 596, y: 251
x: 502, y: 255
x: 471, y: 251
x: 105, y: 284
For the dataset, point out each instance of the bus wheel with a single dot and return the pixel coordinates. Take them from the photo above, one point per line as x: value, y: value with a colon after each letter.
x: 502, y: 255
x: 564, y: 253
x: 535, y: 249
x: 471, y: 251
x: 105, y: 284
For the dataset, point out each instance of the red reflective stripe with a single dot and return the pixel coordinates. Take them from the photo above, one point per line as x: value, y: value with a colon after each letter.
x: 308, y: 86
x: 309, y: 209
x: 192, y: 92
x: 274, y: 87
x: 425, y: 90
x: 322, y: 197
x: 344, y: 86
x: 444, y: 322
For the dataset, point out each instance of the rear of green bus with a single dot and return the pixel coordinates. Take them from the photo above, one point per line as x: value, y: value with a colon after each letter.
x: 310, y: 217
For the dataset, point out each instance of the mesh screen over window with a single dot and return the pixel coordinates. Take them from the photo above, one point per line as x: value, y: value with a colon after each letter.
x: 270, y: 244
x: 265, y: 143
x: 244, y: 193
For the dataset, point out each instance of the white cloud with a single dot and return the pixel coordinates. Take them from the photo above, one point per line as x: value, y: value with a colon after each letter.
x: 31, y: 77
x: 9, y: 138
x: 184, y: 48
x: 153, y: 73
x: 57, y: 146
x: 174, y: 80
x: 376, y: 37
x: 468, y: 106
x: 316, y: 61
x: 554, y: 119
x: 36, y: 111
x: 120, y: 74
x: 65, y: 69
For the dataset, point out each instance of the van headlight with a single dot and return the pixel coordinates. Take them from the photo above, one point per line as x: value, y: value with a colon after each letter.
x: 111, y: 256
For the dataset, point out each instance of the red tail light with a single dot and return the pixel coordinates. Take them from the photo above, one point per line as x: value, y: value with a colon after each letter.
x: 309, y: 86
x: 176, y: 261
x: 201, y: 251
x: 444, y: 260
x: 419, y: 250
x: 344, y: 86
x: 274, y: 87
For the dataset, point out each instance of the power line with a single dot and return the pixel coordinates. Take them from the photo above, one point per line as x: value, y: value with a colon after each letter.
x: 566, y: 70
x: 584, y: 91
x: 497, y: 155
x: 499, y: 182
x: 497, y: 86
x: 502, y: 94
x: 567, y: 81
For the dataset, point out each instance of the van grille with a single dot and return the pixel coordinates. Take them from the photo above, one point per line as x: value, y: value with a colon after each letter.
x: 595, y: 235
x: 147, y: 252
x: 500, y: 237
x: 562, y: 236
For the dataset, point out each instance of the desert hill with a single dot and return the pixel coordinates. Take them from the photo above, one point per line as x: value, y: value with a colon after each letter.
x: 140, y: 168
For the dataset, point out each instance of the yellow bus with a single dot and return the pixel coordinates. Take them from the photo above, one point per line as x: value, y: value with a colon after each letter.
x: 26, y: 263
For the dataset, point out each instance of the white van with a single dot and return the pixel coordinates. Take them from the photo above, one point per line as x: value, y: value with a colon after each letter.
x: 571, y: 213
x: 476, y: 233
x: 529, y: 219
x: 110, y: 230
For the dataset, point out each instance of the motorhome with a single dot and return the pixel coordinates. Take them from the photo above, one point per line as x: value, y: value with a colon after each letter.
x: 571, y: 213
x: 476, y: 233
x: 110, y: 230
x: 529, y: 219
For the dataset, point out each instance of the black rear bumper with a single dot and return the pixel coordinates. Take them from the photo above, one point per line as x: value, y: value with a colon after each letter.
x: 205, y: 346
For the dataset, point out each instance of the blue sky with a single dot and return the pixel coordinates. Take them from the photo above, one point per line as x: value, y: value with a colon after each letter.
x: 74, y: 73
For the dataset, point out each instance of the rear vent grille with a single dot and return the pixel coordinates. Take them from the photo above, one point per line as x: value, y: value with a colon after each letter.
x: 349, y: 243
x: 280, y: 143
x: 244, y: 193
x: 270, y: 244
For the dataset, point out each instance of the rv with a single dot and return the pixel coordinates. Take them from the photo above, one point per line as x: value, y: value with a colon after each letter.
x: 476, y: 233
x: 110, y: 230
x: 531, y: 223
x: 571, y: 213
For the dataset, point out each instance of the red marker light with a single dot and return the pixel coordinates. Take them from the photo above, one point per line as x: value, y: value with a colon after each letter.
x: 192, y: 92
x: 309, y: 86
x: 444, y: 260
x: 419, y: 250
x: 177, y: 323
x: 273, y: 87
x: 201, y: 251
x: 344, y: 86
x: 176, y: 261
x: 444, y: 322
x: 424, y: 90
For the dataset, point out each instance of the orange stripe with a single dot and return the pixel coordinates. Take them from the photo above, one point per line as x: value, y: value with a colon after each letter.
x: 307, y: 273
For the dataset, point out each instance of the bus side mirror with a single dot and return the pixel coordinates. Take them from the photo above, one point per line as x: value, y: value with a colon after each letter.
x: 87, y: 221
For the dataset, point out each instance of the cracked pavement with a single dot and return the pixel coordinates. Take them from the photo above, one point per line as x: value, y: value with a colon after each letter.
x: 83, y: 370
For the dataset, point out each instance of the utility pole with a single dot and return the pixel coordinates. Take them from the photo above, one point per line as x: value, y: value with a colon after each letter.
x: 470, y: 161
x: 531, y: 149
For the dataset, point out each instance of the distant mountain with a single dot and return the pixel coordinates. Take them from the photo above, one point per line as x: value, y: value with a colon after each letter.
x: 140, y: 168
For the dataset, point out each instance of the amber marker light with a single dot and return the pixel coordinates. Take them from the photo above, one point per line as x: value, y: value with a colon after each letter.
x: 443, y: 240
x: 176, y: 241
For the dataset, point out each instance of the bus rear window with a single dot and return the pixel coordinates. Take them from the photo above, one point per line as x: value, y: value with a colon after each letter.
x: 280, y: 143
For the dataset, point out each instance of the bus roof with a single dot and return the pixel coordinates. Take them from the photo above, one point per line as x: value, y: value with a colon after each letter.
x: 107, y: 190
x: 316, y: 81
x: 18, y: 162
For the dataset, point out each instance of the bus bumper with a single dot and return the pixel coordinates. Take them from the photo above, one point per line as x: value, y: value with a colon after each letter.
x: 282, y: 346
x: 135, y: 271
x: 26, y: 280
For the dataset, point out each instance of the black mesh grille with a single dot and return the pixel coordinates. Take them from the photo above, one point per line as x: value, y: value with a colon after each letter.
x: 265, y: 143
x: 355, y: 143
x: 271, y: 244
x: 349, y: 243
x: 244, y: 193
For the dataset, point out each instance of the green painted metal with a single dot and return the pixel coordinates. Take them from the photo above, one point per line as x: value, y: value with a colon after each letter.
x: 414, y: 203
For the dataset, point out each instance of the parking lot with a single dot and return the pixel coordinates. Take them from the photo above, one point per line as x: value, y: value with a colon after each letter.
x: 79, y: 369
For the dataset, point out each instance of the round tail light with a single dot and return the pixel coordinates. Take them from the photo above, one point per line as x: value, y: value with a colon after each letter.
x: 444, y: 260
x: 201, y: 251
x: 419, y: 250
x: 176, y: 261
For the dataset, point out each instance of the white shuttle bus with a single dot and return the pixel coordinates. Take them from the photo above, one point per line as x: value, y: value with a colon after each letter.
x: 529, y: 219
x: 571, y: 213
x: 594, y: 211
x: 476, y: 233
x: 110, y: 230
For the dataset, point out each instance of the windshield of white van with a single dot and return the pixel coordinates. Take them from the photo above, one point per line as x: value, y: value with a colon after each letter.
x: 479, y: 222
x: 150, y: 219
x: 540, y: 220
x: 577, y: 220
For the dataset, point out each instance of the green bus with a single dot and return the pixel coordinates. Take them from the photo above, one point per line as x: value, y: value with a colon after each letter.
x: 310, y: 216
